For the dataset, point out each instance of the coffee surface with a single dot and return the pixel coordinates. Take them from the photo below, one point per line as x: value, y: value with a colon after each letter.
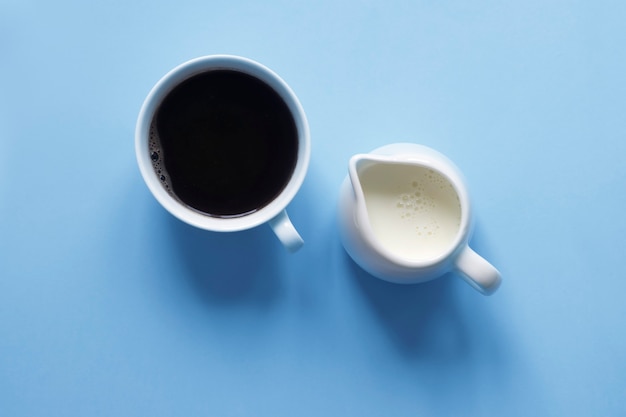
x: 224, y: 143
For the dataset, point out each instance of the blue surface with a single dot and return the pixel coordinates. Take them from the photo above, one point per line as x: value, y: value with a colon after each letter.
x: 109, y: 306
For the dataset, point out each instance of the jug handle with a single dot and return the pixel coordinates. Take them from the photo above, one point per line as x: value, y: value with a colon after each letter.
x: 286, y: 232
x: 477, y: 272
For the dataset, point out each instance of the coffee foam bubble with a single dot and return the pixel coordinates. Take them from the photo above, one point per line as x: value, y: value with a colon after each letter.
x: 156, y: 156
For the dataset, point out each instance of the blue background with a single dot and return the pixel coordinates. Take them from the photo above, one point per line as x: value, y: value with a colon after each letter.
x: 111, y: 307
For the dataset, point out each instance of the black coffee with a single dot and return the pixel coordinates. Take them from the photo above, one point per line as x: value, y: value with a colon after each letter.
x: 224, y: 143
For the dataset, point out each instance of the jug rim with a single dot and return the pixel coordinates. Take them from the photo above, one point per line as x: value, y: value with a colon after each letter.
x: 444, y: 167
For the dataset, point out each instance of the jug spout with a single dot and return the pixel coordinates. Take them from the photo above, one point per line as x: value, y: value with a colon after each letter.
x: 369, y: 176
x: 358, y: 164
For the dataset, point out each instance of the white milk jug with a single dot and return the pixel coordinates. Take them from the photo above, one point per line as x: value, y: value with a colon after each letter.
x: 405, y: 217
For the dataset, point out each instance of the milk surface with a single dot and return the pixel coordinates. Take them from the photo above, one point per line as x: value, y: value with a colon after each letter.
x: 414, y: 211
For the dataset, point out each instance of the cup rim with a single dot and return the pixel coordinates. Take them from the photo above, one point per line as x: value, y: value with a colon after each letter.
x: 142, y: 137
x: 429, y: 158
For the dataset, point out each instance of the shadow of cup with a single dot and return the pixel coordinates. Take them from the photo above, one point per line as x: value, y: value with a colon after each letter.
x: 228, y: 268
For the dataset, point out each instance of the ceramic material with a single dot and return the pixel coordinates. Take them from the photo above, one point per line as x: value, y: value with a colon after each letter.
x: 274, y: 213
x: 405, y: 216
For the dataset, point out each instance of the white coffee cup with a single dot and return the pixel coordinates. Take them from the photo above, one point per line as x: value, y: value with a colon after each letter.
x: 405, y: 216
x: 273, y: 213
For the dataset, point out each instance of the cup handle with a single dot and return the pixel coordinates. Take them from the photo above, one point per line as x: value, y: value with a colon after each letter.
x: 477, y: 272
x: 286, y: 233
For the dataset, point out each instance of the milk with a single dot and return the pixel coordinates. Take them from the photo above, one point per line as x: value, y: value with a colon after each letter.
x: 414, y: 211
